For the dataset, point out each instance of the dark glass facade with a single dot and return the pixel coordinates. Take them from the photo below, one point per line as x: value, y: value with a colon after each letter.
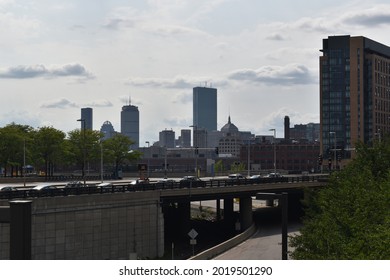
x: 354, y: 93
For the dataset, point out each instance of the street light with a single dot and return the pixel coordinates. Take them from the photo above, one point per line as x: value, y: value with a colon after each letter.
x: 274, y: 130
x: 101, y: 160
x: 84, y: 148
x: 147, y: 142
x: 195, y: 127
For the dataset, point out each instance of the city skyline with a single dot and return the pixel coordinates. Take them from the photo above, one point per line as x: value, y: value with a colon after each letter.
x: 57, y: 58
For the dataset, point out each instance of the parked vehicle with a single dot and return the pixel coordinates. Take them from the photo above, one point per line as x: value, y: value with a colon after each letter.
x: 255, y: 177
x: 191, y: 181
x: 44, y: 190
x: 236, y: 176
x: 104, y: 187
x: 8, y: 192
x: 74, y: 184
x: 274, y: 175
x: 7, y: 189
x: 166, y: 183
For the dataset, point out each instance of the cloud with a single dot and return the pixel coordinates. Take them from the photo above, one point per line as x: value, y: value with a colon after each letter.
x: 39, y: 70
x: 275, y: 37
x: 291, y: 74
x: 179, y: 82
x: 100, y: 103
x: 379, y: 15
x: 59, y: 103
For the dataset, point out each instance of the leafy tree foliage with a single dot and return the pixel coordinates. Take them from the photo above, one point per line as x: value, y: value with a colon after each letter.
x: 117, y: 150
x: 83, y: 146
x: 14, y: 144
x: 48, y: 143
x: 350, y: 219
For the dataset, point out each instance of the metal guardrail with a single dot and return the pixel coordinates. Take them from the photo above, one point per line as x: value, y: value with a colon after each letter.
x: 151, y: 186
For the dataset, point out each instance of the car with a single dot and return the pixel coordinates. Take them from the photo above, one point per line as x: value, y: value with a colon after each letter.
x: 274, y: 175
x: 139, y: 182
x: 104, y: 187
x: 236, y: 176
x: 166, y: 183
x: 7, y: 189
x: 74, y: 184
x: 8, y: 192
x: 44, y: 190
x: 255, y: 177
x: 191, y: 181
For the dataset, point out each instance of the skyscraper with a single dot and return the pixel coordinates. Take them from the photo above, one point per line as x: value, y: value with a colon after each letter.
x: 108, y: 130
x: 130, y: 124
x: 87, y: 116
x: 205, y: 108
x: 354, y: 93
x: 167, y: 138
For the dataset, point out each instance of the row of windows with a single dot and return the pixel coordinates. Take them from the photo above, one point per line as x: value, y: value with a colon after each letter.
x: 381, y: 118
x: 381, y: 79
x: 382, y: 92
x: 382, y: 65
x: 381, y: 105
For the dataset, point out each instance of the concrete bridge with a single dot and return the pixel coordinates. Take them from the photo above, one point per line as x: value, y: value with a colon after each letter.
x: 123, y: 225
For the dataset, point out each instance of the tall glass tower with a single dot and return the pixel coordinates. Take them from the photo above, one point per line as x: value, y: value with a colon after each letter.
x: 205, y: 108
x: 130, y: 124
x: 87, y: 116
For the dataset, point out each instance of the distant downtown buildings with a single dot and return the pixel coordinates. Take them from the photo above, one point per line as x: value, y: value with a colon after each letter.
x: 354, y: 105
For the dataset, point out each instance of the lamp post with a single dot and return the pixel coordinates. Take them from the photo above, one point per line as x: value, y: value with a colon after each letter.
x: 274, y: 130
x: 249, y: 157
x: 195, y: 127
x: 334, y: 147
x: 101, y: 161
x: 84, y: 148
x: 147, y: 142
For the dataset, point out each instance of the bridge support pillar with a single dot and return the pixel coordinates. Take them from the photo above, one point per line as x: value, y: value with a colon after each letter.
x: 228, y: 213
x: 246, y: 218
x: 184, y: 209
x: 218, y: 209
x: 269, y: 203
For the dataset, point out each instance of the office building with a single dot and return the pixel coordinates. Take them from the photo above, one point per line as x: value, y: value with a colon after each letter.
x: 87, y: 118
x: 130, y: 124
x: 205, y: 108
x: 184, y: 140
x: 167, y: 138
x: 354, y: 93
x: 108, y: 130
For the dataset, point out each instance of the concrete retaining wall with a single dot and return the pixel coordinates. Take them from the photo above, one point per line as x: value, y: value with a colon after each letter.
x: 223, y: 247
x: 112, y: 226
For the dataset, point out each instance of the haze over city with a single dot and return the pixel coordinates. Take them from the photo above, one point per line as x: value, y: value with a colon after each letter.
x: 57, y: 57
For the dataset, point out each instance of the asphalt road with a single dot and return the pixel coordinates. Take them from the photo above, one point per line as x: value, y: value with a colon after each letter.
x: 265, y: 244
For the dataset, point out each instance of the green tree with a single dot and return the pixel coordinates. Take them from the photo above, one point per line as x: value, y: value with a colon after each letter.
x: 83, y: 147
x: 219, y: 167
x: 240, y: 167
x: 350, y: 218
x: 48, y: 147
x: 14, y: 147
x: 116, y: 151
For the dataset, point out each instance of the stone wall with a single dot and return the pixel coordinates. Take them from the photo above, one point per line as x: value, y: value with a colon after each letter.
x: 99, y: 226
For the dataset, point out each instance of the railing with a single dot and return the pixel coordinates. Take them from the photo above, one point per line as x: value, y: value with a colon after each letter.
x: 150, y: 186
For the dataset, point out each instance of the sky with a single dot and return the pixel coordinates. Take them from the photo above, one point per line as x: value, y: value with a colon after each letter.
x: 57, y: 57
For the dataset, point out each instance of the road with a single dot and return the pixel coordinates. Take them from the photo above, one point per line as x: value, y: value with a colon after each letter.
x: 265, y: 244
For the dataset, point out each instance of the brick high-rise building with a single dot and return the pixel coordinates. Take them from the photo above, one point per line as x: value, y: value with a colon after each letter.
x: 354, y: 93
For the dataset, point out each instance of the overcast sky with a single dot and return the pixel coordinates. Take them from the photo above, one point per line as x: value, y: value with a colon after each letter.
x: 59, y: 56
